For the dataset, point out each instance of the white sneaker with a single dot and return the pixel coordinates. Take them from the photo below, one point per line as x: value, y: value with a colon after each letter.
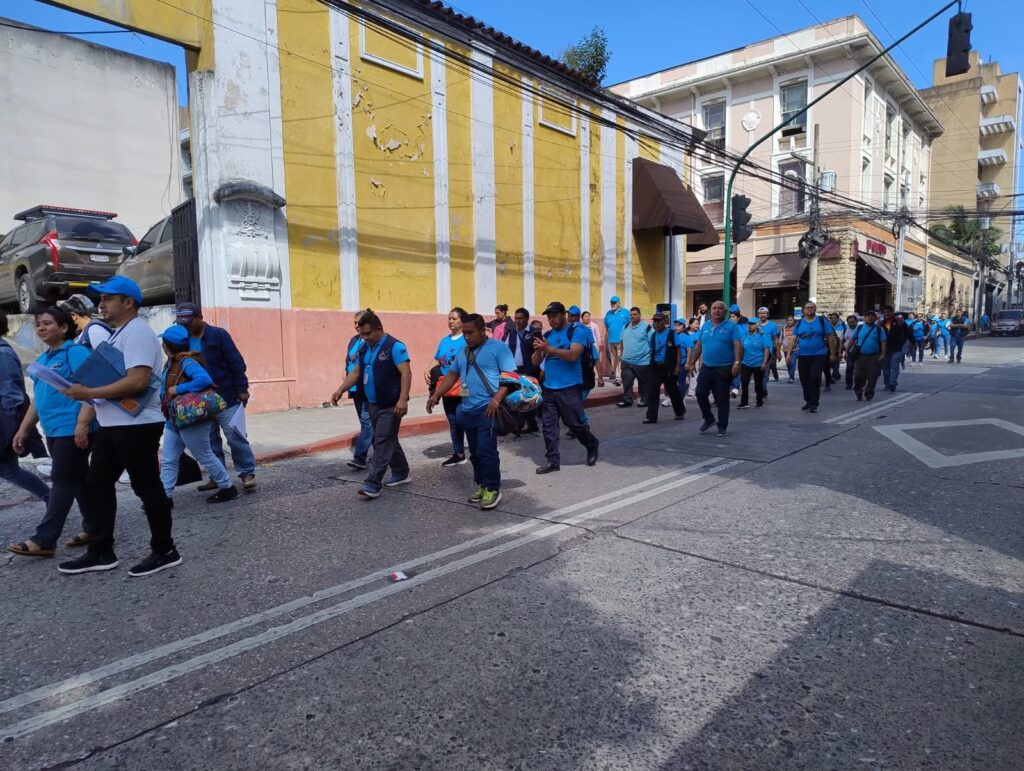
x: 734, y: 393
x: 666, y: 402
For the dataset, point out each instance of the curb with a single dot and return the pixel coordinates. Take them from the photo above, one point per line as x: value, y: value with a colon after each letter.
x: 425, y: 424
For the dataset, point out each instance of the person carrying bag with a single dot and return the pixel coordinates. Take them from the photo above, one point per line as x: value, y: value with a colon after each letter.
x: 189, y: 401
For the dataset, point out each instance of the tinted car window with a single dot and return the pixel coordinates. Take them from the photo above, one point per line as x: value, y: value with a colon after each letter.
x: 168, y: 234
x: 18, y: 236
x: 89, y: 229
x: 1008, y: 315
x: 35, y: 231
x: 149, y: 239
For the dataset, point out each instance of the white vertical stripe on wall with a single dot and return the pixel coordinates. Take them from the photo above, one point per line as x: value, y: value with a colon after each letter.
x: 529, y: 289
x: 442, y: 228
x: 631, y: 147
x: 608, y: 209
x: 344, y: 157
x: 673, y: 158
x: 584, y: 212
x: 484, y: 226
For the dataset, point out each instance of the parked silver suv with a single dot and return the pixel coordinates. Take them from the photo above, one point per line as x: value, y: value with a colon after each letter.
x: 1007, y: 322
x: 151, y: 264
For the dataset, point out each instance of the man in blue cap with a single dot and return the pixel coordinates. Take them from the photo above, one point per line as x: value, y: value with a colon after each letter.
x: 131, y: 424
x: 615, y: 320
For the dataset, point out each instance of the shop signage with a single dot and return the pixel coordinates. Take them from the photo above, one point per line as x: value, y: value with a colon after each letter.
x: 874, y: 247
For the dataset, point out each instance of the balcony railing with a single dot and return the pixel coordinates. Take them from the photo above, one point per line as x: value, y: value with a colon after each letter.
x: 988, y: 190
x: 997, y: 124
x: 989, y: 94
x: 991, y: 157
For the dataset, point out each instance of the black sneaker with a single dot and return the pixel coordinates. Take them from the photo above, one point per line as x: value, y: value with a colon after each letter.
x: 90, y: 563
x: 623, y: 403
x: 814, y: 408
x: 457, y: 459
x: 358, y: 465
x: 154, y: 563
x: 706, y: 426
x: 722, y: 433
x: 592, y: 455
x: 806, y: 406
x: 227, y: 494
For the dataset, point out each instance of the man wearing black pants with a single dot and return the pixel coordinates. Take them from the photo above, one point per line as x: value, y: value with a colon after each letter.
x: 561, y: 353
x: 664, y: 371
x: 126, y: 441
x: 816, y: 346
x: 719, y: 345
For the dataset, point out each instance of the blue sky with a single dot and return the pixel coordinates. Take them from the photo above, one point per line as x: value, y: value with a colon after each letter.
x: 654, y: 34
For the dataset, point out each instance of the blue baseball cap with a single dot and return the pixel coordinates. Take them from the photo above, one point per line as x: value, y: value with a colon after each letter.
x: 734, y: 308
x: 574, y: 310
x: 615, y: 299
x: 175, y: 334
x: 119, y: 285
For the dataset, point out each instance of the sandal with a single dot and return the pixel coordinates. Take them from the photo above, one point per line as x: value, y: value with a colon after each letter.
x: 25, y: 549
x: 82, y: 539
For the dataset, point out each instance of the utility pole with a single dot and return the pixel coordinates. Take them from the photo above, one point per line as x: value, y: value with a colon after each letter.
x: 901, y: 220
x: 812, y: 269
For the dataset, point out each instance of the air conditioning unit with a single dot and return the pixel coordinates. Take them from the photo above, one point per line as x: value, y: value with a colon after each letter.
x: 827, y: 181
x: 792, y: 131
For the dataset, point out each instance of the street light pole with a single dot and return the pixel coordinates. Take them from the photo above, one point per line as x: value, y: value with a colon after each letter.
x: 727, y: 268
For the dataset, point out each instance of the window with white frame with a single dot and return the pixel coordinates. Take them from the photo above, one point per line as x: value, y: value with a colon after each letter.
x: 793, y: 99
x: 557, y: 111
x: 890, y: 127
x: 714, y: 123
x: 905, y: 151
x: 714, y: 196
x: 869, y: 113
x: 383, y: 47
x: 793, y: 191
x: 865, y: 179
x: 922, y: 195
x: 888, y: 186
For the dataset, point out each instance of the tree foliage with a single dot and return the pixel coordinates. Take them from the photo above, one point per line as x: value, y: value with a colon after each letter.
x: 969, y: 233
x: 590, y: 56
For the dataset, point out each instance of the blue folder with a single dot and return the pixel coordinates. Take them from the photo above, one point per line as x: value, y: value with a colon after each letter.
x: 105, y: 365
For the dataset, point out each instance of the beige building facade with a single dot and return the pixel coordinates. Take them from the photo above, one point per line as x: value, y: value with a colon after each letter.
x: 875, y: 139
x: 976, y: 162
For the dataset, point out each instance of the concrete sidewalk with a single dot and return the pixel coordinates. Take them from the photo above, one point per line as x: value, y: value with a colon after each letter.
x: 279, y: 435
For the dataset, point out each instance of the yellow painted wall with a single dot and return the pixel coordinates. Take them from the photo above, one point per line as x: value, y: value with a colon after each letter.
x: 186, y: 22
x: 557, y: 217
x: 648, y: 252
x: 508, y: 179
x: 307, y: 117
x: 460, y: 182
x: 394, y: 174
x: 596, y: 243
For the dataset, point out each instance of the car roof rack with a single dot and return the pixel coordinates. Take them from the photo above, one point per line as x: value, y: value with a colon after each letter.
x: 43, y: 210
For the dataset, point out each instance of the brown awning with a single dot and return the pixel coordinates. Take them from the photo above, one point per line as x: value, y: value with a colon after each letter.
x: 661, y: 201
x: 703, y: 240
x: 701, y: 275
x: 775, y: 270
x: 880, y: 266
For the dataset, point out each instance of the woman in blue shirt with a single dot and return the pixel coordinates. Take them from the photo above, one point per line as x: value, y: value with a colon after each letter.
x: 184, y: 373
x: 815, y: 350
x: 68, y: 426
x: 757, y: 347
x: 448, y: 348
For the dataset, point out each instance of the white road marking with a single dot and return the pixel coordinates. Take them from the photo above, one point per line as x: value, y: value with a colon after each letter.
x: 89, y: 703
x: 162, y: 651
x: 932, y: 457
x: 869, y: 411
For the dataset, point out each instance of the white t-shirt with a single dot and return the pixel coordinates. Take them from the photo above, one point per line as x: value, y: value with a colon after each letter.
x: 141, y: 348
x: 96, y: 334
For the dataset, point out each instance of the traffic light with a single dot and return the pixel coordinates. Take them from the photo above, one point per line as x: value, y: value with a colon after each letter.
x: 741, y: 230
x: 958, y: 49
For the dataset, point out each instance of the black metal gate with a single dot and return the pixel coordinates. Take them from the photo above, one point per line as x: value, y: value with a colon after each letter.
x: 186, y: 254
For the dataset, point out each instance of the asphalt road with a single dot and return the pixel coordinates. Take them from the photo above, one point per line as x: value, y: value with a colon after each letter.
x: 811, y: 592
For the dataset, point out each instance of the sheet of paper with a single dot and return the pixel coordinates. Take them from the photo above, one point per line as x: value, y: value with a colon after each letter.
x: 48, y: 376
x: 237, y: 421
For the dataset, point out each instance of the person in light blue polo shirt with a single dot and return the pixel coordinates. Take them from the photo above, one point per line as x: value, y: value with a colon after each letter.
x: 685, y: 340
x: 774, y: 335
x: 719, y: 347
x: 815, y: 350
x: 870, y: 350
x: 757, y: 348
x: 478, y: 365
x: 615, y: 321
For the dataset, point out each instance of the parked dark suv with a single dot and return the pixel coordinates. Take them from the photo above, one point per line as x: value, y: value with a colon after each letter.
x: 57, y: 252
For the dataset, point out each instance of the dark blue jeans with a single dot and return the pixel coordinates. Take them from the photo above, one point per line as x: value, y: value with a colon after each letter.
x: 567, y: 404
x: 455, y: 429
x: 716, y: 380
x: 956, y: 347
x: 482, y: 437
